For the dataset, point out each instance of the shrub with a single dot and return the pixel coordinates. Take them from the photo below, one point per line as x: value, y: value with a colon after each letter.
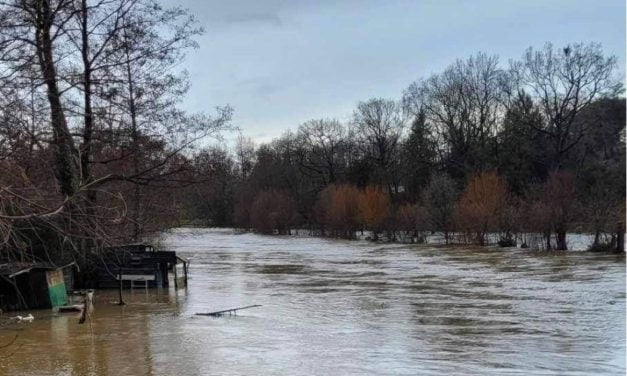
x: 439, y: 199
x: 272, y: 210
x: 337, y: 210
x: 484, y: 200
x: 410, y: 218
x: 560, y: 202
x: 374, y: 209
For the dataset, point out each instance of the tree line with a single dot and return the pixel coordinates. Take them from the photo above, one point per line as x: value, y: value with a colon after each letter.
x: 95, y: 149
x: 482, y: 152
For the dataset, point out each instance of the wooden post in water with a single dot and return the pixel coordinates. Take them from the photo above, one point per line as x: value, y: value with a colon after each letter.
x: 176, y: 282
x: 87, y: 306
x: 185, y: 273
x: 121, y: 302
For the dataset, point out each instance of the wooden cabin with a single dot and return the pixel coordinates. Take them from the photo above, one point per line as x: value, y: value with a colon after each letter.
x: 140, y: 265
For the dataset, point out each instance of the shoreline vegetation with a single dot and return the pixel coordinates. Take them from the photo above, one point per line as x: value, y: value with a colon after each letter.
x: 524, y: 241
x: 96, y: 151
x: 480, y: 148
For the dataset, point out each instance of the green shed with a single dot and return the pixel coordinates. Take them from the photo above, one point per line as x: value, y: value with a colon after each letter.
x: 33, y: 286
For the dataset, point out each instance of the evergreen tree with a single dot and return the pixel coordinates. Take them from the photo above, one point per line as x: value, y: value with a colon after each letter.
x: 419, y: 156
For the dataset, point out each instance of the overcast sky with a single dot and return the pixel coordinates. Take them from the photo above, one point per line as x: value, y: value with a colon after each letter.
x: 280, y: 63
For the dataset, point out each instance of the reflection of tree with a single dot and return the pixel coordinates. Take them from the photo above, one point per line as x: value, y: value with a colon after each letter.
x: 10, y: 346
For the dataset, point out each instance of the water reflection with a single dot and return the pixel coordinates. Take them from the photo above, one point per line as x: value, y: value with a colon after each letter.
x: 339, y: 307
x: 117, y: 341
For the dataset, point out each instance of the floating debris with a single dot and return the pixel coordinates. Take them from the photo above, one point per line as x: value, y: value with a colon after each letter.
x: 232, y: 311
x: 28, y: 318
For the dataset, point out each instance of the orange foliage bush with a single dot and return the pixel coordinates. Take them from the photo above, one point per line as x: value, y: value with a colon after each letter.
x: 484, y: 200
x: 374, y: 209
x: 337, y: 210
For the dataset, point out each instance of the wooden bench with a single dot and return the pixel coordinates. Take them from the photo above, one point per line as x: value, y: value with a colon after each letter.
x: 135, y: 278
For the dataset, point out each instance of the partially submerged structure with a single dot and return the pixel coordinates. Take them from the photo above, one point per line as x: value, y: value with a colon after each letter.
x: 40, y: 285
x: 34, y: 285
x: 142, y: 265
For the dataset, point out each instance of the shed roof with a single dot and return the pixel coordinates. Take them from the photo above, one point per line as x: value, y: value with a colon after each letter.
x: 16, y: 268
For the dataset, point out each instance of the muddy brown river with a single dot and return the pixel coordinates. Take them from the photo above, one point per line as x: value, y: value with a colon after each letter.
x: 333, y: 307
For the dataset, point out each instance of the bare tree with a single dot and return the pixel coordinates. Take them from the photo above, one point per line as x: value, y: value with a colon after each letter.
x: 107, y: 74
x: 31, y: 37
x: 322, y: 146
x: 378, y: 126
x: 92, y: 31
x: 143, y: 90
x: 245, y: 154
x: 563, y: 82
x: 464, y: 103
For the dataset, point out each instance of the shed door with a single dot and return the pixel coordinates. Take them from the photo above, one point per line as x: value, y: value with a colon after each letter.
x: 56, y: 287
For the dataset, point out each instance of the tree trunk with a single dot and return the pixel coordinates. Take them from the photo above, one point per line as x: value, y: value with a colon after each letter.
x: 63, y: 145
x: 561, y: 240
x: 88, y: 118
x: 620, y: 238
x: 137, y: 217
x: 547, y: 235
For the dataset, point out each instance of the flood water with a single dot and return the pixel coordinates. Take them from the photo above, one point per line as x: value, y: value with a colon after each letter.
x: 333, y: 307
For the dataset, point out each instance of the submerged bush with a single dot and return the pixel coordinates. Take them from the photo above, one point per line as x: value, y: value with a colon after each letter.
x: 337, y: 210
x: 272, y: 211
x: 479, y: 209
x: 374, y: 209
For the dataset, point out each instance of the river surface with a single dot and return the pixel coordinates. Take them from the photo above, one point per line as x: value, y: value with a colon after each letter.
x: 333, y: 307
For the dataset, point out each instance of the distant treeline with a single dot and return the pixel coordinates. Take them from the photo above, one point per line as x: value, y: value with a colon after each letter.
x: 537, y: 146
